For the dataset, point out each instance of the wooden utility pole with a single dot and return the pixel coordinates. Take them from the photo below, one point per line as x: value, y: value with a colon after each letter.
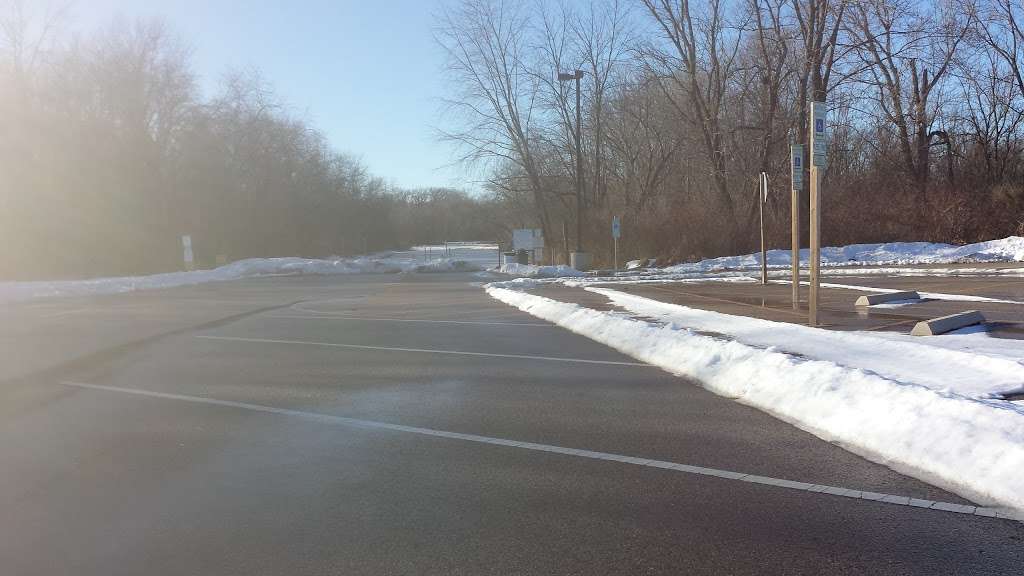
x: 819, y: 148
x: 796, y: 163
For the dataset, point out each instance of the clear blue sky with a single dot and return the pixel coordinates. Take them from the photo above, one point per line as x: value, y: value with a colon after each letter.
x: 365, y: 72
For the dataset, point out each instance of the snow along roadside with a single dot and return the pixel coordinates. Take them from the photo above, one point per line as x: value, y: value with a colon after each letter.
x: 972, y: 447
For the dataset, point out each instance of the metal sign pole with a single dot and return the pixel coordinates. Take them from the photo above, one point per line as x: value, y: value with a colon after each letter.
x: 616, y: 232
x: 819, y: 145
x: 796, y: 154
x: 763, y: 197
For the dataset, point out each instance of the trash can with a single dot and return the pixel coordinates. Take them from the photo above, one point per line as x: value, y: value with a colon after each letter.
x: 508, y: 258
x: 522, y: 257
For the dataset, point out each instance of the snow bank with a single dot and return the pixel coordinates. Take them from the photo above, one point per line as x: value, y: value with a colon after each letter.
x: 449, y: 265
x: 1005, y: 250
x: 531, y: 271
x: 970, y: 446
x: 465, y: 258
x: 250, y: 268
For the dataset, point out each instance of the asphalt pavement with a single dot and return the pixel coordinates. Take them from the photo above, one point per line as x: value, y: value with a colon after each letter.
x: 387, y: 424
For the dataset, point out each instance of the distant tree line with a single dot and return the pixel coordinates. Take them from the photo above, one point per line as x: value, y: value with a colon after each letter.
x: 685, y: 102
x: 108, y: 156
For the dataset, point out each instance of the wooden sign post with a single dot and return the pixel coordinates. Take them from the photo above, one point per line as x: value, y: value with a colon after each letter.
x: 796, y: 163
x: 819, y: 149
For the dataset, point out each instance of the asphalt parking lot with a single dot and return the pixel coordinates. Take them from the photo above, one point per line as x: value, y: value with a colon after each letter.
x: 413, y: 425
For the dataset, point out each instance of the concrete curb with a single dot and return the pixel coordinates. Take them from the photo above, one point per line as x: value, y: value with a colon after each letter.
x: 949, y: 323
x: 872, y: 299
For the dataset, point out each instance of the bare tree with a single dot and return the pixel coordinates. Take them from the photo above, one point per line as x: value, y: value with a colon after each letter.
x: 603, y: 34
x: 907, y: 52
x: 487, y: 50
x: 694, y: 72
x: 643, y: 143
x: 1001, y: 28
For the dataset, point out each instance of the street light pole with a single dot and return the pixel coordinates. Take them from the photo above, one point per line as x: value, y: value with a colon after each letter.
x: 579, y: 166
x: 582, y: 260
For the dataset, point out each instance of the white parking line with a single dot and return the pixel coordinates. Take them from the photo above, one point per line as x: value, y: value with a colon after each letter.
x: 69, y: 312
x: 647, y: 462
x: 421, y: 350
x: 340, y: 317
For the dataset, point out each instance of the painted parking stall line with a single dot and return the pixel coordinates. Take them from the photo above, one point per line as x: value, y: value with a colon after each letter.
x: 420, y: 350
x: 326, y: 316
x: 892, y: 499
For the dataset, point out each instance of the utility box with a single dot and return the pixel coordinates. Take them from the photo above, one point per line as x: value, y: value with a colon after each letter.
x: 522, y: 256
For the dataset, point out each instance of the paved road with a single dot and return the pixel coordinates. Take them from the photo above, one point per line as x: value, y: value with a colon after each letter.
x: 412, y: 425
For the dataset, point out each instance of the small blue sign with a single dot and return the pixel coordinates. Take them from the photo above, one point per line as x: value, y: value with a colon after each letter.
x: 819, y: 125
x: 796, y: 161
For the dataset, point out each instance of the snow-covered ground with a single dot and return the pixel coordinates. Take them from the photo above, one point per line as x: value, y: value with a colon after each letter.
x: 1009, y: 249
x: 532, y: 271
x: 459, y: 258
x: 925, y: 410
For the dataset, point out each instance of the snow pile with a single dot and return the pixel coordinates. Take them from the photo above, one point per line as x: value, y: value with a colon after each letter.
x: 1009, y: 249
x: 531, y: 271
x: 968, y: 445
x: 449, y: 265
x: 642, y: 263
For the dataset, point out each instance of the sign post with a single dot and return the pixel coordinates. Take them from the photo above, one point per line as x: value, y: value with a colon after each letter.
x: 796, y: 156
x: 616, y: 232
x: 186, y: 245
x: 762, y: 193
x: 819, y: 149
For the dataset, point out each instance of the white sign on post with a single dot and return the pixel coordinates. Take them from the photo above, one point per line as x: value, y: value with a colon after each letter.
x: 616, y: 227
x: 186, y: 244
x: 820, y: 140
x: 527, y: 239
